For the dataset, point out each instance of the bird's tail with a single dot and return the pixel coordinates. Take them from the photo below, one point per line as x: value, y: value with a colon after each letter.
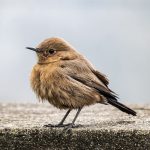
x: 121, y: 107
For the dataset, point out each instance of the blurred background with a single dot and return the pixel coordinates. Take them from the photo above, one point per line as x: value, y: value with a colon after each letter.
x: 113, y: 35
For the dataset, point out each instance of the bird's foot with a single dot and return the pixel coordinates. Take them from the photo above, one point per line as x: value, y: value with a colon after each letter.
x: 57, y: 125
x: 69, y: 127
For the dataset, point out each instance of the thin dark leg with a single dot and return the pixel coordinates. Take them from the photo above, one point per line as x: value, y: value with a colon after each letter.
x: 77, y: 114
x: 60, y: 124
x: 63, y: 119
x: 71, y: 125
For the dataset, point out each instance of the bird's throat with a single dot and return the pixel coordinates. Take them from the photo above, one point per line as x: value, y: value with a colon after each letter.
x: 49, y: 62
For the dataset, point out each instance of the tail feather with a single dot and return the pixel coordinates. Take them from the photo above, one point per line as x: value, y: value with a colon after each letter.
x: 121, y: 107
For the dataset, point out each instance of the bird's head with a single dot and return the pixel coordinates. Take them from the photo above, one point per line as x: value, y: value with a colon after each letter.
x: 54, y: 49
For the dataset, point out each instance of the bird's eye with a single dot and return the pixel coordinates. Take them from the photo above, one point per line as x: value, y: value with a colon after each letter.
x: 51, y: 51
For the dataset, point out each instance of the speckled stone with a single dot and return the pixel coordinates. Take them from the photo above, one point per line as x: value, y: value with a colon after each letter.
x: 103, y: 127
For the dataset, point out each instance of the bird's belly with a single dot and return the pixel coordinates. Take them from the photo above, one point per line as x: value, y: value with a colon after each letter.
x: 59, y: 98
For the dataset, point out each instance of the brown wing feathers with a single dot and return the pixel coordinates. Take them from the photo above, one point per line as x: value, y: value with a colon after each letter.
x: 111, y: 97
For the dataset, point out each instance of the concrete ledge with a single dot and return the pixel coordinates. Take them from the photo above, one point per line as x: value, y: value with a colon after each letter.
x: 104, y: 127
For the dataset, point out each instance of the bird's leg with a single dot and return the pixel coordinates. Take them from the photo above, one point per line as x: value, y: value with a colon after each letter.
x: 60, y: 124
x: 71, y: 125
x: 63, y: 119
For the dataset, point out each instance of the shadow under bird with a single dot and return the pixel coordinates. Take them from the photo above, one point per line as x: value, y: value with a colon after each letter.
x: 64, y: 78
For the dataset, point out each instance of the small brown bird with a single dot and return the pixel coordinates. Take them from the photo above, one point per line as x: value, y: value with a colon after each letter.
x: 67, y: 80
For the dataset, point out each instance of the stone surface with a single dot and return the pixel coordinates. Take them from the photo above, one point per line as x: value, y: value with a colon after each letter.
x: 103, y: 127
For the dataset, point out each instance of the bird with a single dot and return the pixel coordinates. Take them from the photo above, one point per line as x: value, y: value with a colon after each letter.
x: 67, y: 80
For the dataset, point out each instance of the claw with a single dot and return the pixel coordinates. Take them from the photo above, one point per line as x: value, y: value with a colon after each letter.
x: 67, y: 129
x: 70, y: 126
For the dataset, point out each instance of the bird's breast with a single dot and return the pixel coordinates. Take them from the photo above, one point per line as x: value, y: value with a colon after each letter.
x: 41, y: 82
x: 44, y: 85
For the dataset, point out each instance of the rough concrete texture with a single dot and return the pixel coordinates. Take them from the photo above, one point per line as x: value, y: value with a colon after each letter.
x: 103, y: 127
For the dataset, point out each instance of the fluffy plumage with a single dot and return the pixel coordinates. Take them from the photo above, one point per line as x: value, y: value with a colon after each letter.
x: 67, y: 80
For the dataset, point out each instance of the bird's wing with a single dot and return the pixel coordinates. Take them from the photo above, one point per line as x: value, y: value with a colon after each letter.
x: 86, y: 75
x: 97, y: 86
x: 98, y: 74
x: 101, y: 76
x: 82, y: 74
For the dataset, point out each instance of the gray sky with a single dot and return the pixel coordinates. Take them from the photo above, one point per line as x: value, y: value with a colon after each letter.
x: 113, y: 35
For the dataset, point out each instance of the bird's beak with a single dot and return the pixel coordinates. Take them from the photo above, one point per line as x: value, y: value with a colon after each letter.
x: 33, y: 49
